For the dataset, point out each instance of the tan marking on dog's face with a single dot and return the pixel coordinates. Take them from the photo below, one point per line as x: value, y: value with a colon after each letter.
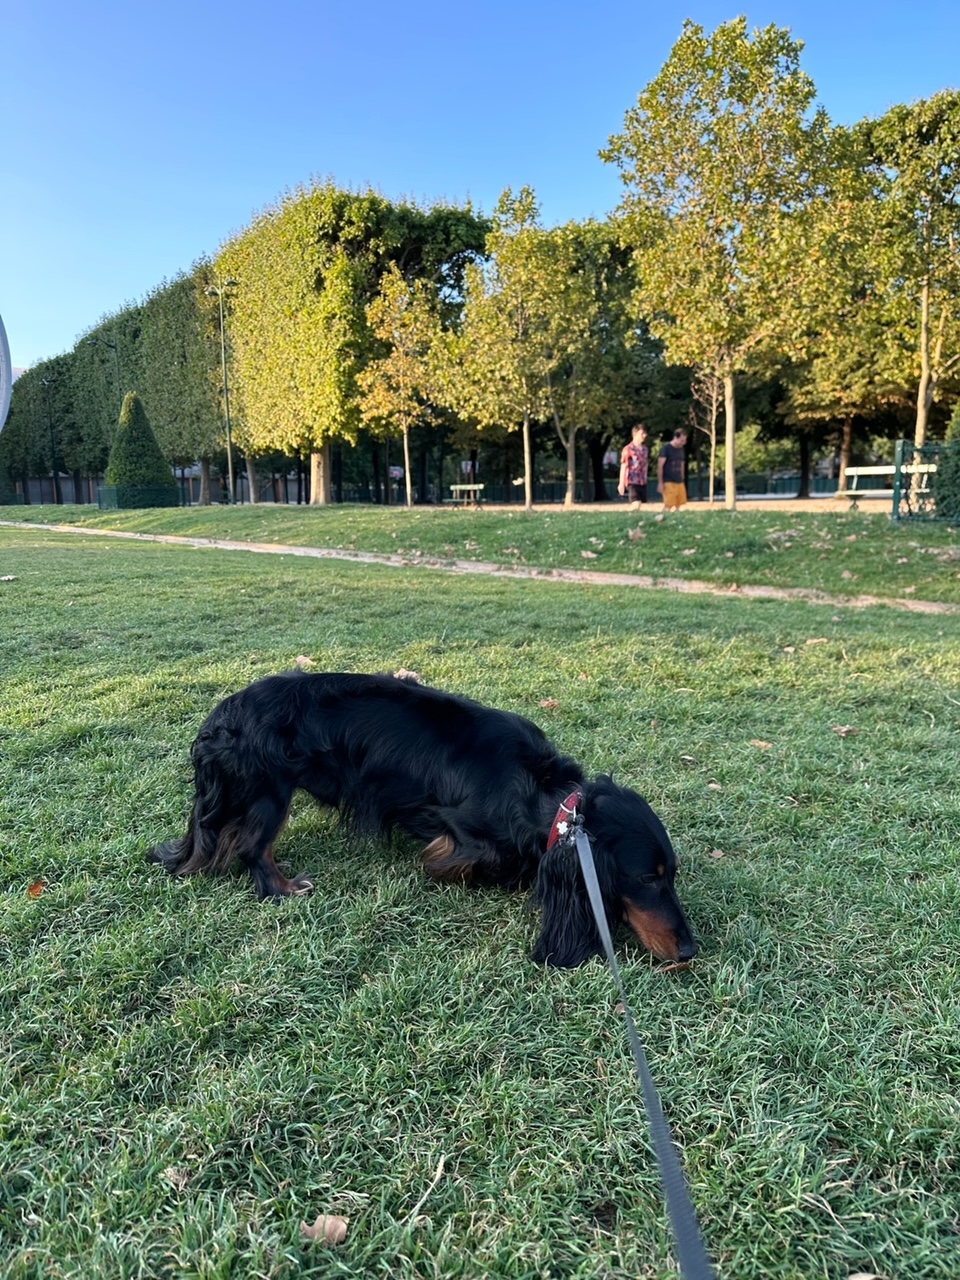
x: 653, y: 932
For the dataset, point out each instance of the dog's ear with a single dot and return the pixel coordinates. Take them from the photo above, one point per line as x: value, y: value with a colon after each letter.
x: 569, y: 934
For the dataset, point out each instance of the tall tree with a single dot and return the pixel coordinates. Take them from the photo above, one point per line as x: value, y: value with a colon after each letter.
x: 913, y: 154
x: 587, y: 284
x: 495, y: 368
x: 181, y: 371
x: 308, y: 270
x: 720, y: 158
x: 396, y: 385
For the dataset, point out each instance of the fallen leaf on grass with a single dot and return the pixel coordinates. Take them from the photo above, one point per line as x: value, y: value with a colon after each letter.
x: 759, y: 742
x: 865, y: 1275
x: 674, y: 968
x: 412, y: 677
x: 819, y: 640
x: 845, y: 730
x: 9, y: 577
x: 178, y: 1178
x: 328, y: 1229
x: 689, y: 759
x: 589, y: 555
x: 302, y: 661
x: 908, y: 591
x: 790, y: 648
x: 635, y: 534
x: 848, y: 576
x: 717, y: 853
x: 714, y: 786
x: 549, y: 704
x: 36, y: 889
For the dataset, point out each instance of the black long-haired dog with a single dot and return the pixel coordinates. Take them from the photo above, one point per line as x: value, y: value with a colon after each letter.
x: 480, y: 787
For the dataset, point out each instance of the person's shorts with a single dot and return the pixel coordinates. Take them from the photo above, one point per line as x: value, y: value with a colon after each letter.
x: 674, y: 495
x: 637, y: 492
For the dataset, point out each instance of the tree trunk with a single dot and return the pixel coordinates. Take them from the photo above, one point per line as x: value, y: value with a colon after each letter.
x: 252, y: 477
x: 596, y: 448
x: 204, y: 482
x: 730, y: 416
x: 407, y: 473
x: 804, y: 442
x: 570, y: 444
x: 846, y: 448
x: 527, y: 464
x: 925, y: 389
x: 320, y: 476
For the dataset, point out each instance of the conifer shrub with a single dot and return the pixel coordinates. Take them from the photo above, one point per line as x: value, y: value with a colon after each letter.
x: 947, y: 478
x: 137, y: 475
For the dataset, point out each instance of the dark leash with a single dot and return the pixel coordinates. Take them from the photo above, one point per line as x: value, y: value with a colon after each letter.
x: 692, y: 1255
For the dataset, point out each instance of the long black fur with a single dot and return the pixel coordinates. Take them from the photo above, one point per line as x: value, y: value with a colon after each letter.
x: 480, y: 787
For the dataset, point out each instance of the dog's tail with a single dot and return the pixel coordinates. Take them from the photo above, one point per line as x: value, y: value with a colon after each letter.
x: 210, y: 842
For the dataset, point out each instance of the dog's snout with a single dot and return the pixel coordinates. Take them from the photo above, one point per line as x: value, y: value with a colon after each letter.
x: 687, y: 948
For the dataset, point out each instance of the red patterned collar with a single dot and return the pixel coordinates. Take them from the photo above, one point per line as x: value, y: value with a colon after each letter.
x: 566, y: 817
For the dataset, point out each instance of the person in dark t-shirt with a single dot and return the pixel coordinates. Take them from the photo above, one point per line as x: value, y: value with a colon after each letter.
x: 672, y: 472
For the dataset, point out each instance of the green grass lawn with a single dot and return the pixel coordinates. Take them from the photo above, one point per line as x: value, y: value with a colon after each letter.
x: 187, y: 1075
x: 848, y: 553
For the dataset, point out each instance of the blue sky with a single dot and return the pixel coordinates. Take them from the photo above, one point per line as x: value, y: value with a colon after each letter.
x: 138, y: 137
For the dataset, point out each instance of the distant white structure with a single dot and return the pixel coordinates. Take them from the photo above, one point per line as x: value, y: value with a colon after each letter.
x: 6, y: 375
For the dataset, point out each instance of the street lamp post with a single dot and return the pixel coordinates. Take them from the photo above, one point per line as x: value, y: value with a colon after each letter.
x: 47, y: 383
x: 217, y: 291
x: 105, y: 342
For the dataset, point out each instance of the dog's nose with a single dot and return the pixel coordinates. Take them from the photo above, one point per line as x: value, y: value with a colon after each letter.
x: 688, y: 949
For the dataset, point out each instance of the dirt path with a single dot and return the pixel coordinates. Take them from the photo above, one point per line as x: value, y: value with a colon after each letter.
x: 691, y: 586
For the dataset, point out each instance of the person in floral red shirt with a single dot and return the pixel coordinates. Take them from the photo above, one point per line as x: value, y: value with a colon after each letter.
x: 635, y: 466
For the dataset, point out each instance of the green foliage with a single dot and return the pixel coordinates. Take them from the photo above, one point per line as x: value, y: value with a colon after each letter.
x: 136, y: 459
x: 946, y: 482
x: 721, y: 159
x: 299, y: 329
x: 912, y: 155
x: 180, y: 357
x: 545, y: 333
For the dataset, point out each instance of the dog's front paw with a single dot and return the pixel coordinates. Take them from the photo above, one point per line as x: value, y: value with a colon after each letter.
x: 301, y: 885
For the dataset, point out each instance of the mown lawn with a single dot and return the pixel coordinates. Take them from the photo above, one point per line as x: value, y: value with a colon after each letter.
x: 187, y: 1075
x: 847, y: 553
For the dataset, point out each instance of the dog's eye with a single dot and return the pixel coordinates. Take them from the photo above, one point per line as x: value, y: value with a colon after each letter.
x: 649, y: 879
